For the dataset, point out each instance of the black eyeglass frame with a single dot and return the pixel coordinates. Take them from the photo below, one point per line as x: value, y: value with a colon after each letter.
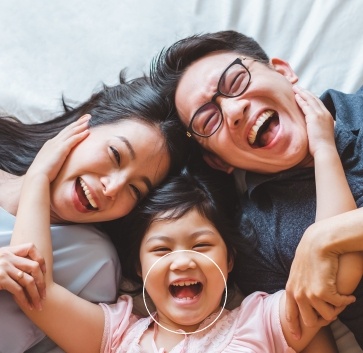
x: 239, y: 60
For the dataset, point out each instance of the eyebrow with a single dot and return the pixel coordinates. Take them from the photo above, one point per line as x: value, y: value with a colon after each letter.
x: 145, y: 179
x: 193, y: 235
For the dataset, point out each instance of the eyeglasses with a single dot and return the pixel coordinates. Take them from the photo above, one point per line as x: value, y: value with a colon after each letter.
x: 232, y: 83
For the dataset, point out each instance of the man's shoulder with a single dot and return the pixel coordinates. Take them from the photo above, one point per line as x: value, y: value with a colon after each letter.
x: 346, y: 108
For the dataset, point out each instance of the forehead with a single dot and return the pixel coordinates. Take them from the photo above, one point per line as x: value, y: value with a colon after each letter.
x: 132, y: 129
x: 199, y: 82
x: 144, y: 144
x: 187, y: 224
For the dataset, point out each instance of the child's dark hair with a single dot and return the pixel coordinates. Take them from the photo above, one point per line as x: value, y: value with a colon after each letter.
x: 212, y: 195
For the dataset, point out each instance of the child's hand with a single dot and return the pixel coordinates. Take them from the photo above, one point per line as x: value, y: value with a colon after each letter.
x: 319, y: 122
x: 22, y: 270
x: 54, y: 152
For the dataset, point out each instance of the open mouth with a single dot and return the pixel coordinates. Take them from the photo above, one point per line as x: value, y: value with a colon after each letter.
x: 264, y: 129
x: 85, y: 196
x: 185, y: 290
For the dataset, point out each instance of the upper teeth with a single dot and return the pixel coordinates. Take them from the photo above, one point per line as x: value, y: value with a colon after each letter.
x: 259, y: 122
x: 87, y: 193
x: 186, y: 283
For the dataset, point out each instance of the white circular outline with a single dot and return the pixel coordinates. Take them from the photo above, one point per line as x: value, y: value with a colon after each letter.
x: 178, y: 332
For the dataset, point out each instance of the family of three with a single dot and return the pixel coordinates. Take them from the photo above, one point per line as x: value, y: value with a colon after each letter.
x: 247, y: 114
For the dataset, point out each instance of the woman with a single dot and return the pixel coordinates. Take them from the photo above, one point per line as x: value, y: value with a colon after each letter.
x: 130, y: 148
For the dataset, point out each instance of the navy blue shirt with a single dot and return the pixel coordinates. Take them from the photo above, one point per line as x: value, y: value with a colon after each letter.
x: 278, y: 208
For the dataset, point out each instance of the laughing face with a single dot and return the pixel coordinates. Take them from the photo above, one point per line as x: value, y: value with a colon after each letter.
x: 263, y: 130
x: 185, y: 286
x: 105, y: 175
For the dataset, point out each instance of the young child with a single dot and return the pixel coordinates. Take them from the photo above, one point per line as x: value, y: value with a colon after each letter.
x: 185, y: 214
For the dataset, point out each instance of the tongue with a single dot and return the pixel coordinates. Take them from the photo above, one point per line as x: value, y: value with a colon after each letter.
x: 184, y: 292
x: 268, y: 135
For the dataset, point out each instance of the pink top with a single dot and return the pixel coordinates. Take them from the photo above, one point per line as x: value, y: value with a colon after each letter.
x: 253, y: 327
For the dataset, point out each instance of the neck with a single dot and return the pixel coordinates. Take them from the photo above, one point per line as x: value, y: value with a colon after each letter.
x: 165, y: 338
x: 55, y: 219
x: 307, y: 162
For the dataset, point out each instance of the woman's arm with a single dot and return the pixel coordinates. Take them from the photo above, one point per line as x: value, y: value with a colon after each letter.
x: 73, y: 323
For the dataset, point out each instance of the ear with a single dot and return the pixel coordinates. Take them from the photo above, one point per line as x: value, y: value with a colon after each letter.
x: 284, y: 68
x: 217, y: 163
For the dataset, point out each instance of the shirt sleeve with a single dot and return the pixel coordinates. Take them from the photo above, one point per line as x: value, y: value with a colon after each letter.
x: 118, y: 317
x: 259, y: 325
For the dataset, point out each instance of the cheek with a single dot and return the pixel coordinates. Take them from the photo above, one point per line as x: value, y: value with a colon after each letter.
x: 153, y: 278
x: 124, y: 206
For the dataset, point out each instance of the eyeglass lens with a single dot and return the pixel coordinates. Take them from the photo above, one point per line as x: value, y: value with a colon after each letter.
x: 232, y: 83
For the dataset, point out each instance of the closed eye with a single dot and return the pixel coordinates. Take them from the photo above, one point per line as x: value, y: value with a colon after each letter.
x: 161, y: 250
x: 116, y: 154
x: 202, y: 245
x: 137, y: 193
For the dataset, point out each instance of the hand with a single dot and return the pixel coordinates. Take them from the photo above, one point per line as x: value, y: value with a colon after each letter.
x: 54, y: 152
x: 311, y: 289
x: 319, y: 121
x: 22, y: 270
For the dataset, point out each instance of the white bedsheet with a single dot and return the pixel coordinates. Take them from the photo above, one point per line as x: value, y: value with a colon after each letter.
x: 71, y: 47
x: 50, y: 48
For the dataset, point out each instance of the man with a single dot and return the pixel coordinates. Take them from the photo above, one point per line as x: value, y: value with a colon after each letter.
x: 240, y: 106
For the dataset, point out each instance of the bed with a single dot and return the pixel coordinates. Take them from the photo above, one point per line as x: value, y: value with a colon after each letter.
x: 69, y: 48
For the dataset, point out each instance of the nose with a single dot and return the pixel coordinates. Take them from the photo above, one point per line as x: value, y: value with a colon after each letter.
x: 234, y: 111
x: 112, y: 185
x: 182, y: 261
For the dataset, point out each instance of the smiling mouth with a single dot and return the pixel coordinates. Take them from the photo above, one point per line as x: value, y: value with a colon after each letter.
x: 258, y: 136
x: 185, y: 290
x: 85, y: 196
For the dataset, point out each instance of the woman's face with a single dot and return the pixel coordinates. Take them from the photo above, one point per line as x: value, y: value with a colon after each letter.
x: 106, y: 174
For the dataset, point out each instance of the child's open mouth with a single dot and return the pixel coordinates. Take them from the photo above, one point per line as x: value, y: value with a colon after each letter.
x: 185, y: 290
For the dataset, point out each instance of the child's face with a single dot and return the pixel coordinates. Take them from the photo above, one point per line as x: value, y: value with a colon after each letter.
x: 185, y: 286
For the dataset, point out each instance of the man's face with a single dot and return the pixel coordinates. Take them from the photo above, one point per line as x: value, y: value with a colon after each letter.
x: 268, y: 101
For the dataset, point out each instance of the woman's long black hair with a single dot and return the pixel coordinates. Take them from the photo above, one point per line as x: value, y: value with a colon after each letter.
x: 135, y: 99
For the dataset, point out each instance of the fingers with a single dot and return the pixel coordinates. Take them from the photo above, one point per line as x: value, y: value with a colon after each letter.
x: 311, y: 317
x: 22, y: 286
x: 292, y: 316
x: 36, y: 268
x: 30, y: 250
x: 29, y: 291
x: 308, y: 102
x: 22, y: 276
x: 73, y: 133
x: 55, y: 151
x: 316, y: 312
x: 11, y: 285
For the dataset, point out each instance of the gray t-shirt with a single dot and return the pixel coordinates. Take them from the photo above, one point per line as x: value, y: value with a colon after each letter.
x: 278, y: 208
